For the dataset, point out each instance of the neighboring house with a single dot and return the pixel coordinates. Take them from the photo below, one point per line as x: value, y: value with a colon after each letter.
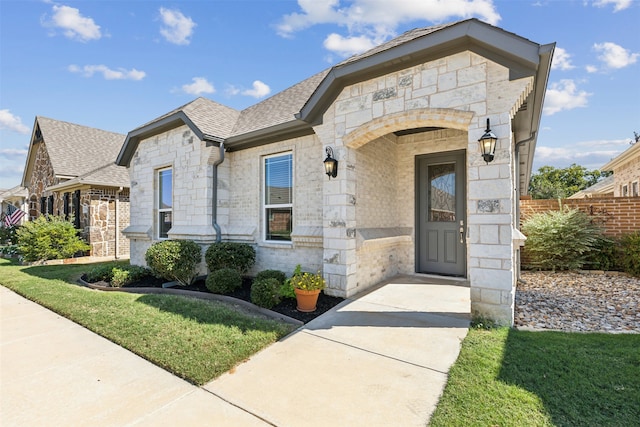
x: 11, y: 200
x: 626, y: 172
x: 70, y: 171
x: 412, y: 193
x: 602, y: 188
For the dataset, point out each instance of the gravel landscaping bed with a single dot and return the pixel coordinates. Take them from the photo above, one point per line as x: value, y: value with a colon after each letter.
x: 578, y: 301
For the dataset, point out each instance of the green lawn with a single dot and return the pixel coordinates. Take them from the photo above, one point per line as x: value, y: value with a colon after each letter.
x: 197, y: 340
x: 505, y: 377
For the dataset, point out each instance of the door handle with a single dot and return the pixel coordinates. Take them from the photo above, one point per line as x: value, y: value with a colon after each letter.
x: 461, y: 231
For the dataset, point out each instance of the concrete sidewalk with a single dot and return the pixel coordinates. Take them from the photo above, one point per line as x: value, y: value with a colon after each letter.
x: 379, y: 360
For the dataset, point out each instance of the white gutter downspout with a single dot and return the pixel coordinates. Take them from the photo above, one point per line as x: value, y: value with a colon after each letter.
x: 214, y: 197
x: 117, y: 254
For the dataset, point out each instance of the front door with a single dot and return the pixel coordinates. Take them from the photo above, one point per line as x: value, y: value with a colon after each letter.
x: 441, y: 208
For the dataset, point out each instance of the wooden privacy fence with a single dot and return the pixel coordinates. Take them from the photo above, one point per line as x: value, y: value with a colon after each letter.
x: 617, y: 215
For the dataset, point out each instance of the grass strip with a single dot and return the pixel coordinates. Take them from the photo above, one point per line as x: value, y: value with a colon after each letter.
x: 195, y: 339
x: 506, y: 377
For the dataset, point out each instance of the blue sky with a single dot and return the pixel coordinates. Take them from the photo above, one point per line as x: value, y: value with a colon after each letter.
x: 115, y: 65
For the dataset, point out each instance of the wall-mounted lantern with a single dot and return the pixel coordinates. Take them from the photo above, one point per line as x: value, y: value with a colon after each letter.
x: 488, y: 144
x: 330, y: 164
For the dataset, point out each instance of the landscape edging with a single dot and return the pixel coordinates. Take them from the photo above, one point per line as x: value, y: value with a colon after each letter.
x: 196, y: 294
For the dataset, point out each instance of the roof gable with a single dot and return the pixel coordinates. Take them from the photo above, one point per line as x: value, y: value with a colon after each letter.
x: 74, y: 149
x: 294, y: 111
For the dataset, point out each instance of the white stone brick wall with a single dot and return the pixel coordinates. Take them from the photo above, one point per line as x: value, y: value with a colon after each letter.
x: 458, y: 92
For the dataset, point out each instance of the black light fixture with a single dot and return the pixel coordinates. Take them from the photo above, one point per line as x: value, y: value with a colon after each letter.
x: 488, y: 144
x: 330, y: 164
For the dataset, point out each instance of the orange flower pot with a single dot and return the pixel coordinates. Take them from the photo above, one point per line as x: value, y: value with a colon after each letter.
x: 307, y: 300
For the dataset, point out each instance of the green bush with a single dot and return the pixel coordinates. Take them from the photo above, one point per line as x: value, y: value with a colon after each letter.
x: 49, y: 237
x: 128, y: 274
x: 223, y: 281
x: 117, y: 274
x: 9, y: 250
x: 603, y: 255
x: 8, y: 235
x: 100, y: 273
x: 239, y: 256
x: 630, y: 254
x: 560, y: 240
x: 174, y: 260
x: 272, y: 274
x: 265, y: 292
x: 287, y: 290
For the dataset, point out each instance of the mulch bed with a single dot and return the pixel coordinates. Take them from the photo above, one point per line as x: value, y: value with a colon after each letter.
x: 286, y: 307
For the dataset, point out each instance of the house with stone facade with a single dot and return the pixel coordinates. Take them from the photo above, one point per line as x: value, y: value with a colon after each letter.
x: 70, y: 171
x: 626, y: 172
x: 412, y: 193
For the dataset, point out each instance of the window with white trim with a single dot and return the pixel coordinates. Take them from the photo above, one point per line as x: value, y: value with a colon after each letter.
x: 164, y: 202
x: 278, y: 197
x: 625, y: 190
x: 635, y: 192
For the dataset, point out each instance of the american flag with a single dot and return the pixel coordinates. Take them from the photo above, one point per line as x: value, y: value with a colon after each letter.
x: 14, y: 215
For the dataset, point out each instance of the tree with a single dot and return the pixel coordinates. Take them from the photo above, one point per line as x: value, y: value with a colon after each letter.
x: 553, y: 183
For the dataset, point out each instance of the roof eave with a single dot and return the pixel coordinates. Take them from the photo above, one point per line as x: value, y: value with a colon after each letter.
x: 622, y: 158
x: 539, y: 91
x: 134, y: 137
x: 520, y: 55
x: 279, y: 132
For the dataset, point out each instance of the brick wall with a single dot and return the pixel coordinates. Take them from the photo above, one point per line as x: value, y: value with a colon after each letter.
x: 618, y: 215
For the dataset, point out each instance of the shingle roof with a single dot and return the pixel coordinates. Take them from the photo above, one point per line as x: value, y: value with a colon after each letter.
x: 280, y: 108
x: 397, y: 41
x: 209, y: 116
x: 74, y: 149
x: 107, y: 175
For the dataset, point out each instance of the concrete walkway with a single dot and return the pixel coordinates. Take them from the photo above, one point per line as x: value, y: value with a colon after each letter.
x: 378, y: 360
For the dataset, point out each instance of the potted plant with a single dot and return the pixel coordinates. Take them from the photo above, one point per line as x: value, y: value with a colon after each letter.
x: 307, y: 287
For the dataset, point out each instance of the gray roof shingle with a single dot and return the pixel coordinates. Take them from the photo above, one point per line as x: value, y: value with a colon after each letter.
x: 74, y: 149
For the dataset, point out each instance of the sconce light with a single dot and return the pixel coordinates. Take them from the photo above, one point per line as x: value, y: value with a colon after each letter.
x: 488, y: 144
x: 330, y: 164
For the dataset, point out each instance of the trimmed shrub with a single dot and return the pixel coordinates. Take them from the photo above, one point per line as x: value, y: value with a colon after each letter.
x: 630, y: 254
x: 272, y: 274
x: 560, y: 240
x: 265, y: 292
x: 128, y: 274
x: 49, y: 237
x: 224, y: 281
x: 239, y: 256
x: 100, y: 273
x: 117, y: 274
x: 174, y: 260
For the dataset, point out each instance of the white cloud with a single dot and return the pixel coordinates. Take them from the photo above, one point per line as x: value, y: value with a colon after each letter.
x: 377, y: 20
x: 591, y: 69
x: 13, y: 152
x: 108, y: 73
x: 590, y: 154
x: 260, y: 90
x: 231, y: 90
x: 347, y: 46
x: 561, y: 60
x: 199, y: 86
x: 564, y: 95
x: 12, y: 122
x: 615, y: 56
x: 618, y: 5
x: 177, y: 28
x: 73, y: 25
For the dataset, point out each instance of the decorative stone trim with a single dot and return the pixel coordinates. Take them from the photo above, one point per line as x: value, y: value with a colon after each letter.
x: 307, y: 236
x: 138, y: 232
x: 374, y: 238
x: 197, y: 233
x: 239, y: 233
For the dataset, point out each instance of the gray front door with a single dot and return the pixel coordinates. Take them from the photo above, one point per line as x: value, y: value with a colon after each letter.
x: 440, y: 214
